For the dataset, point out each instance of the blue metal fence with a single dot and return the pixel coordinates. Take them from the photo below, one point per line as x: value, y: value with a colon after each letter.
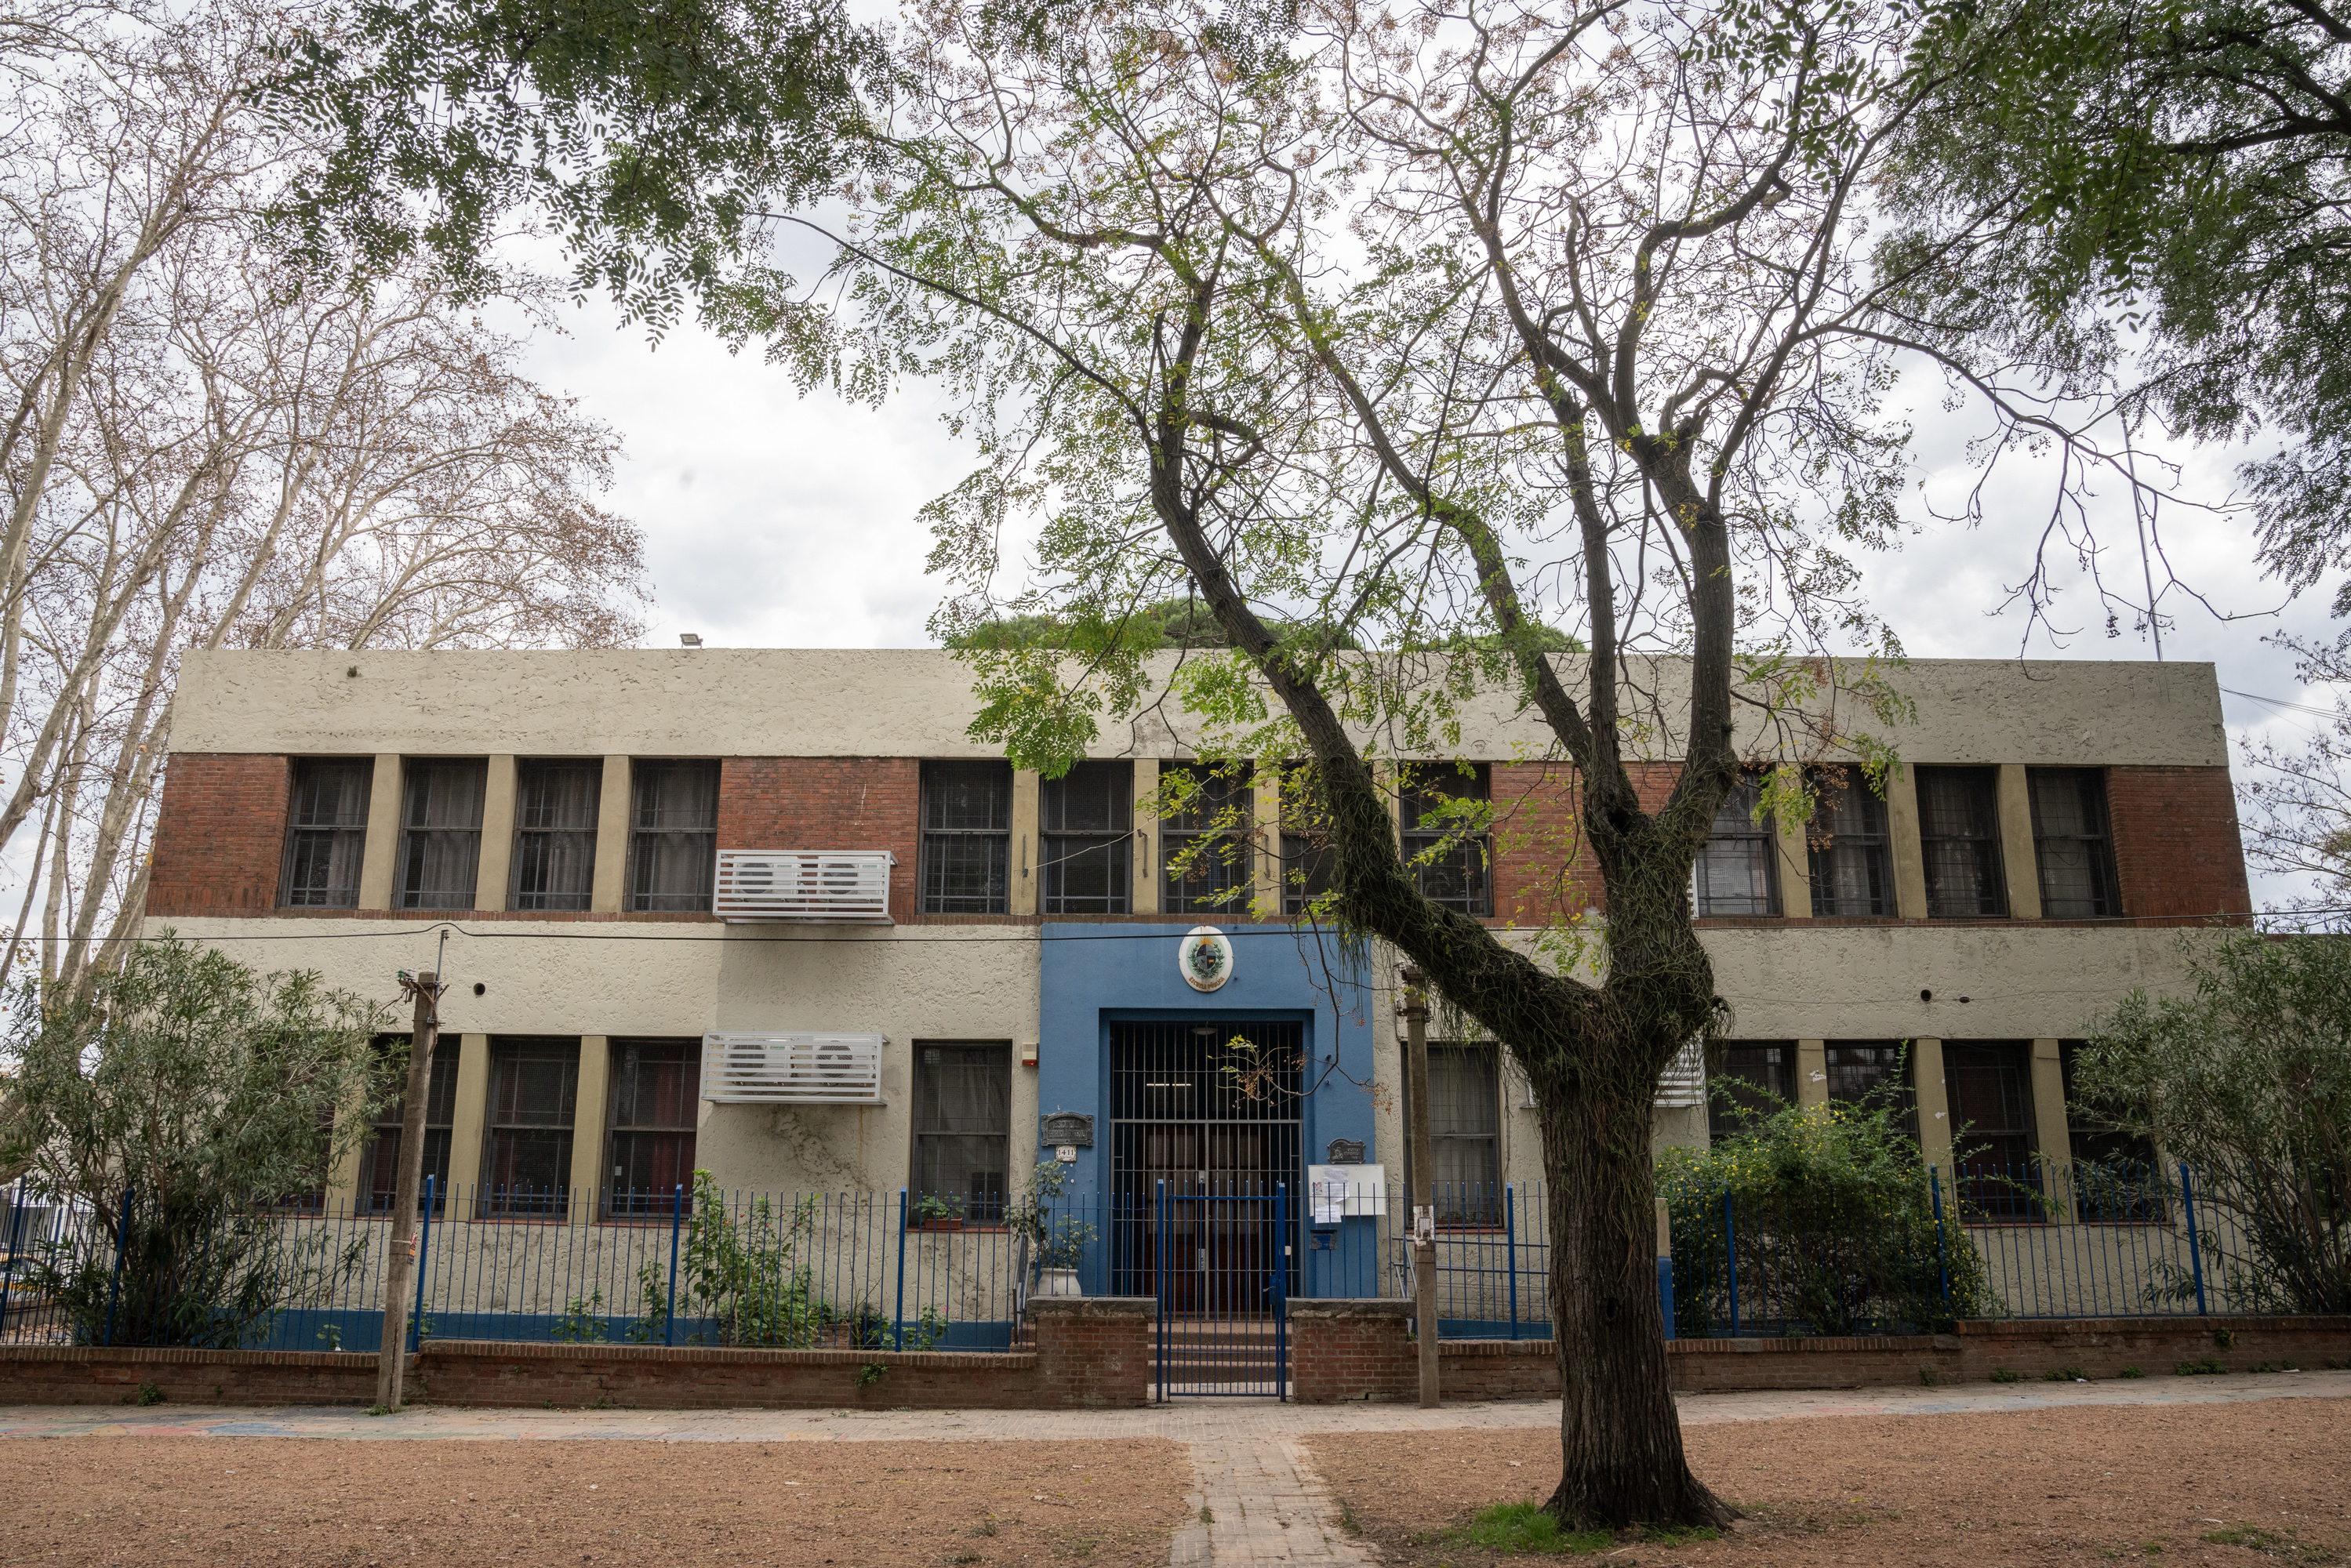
x: 894, y: 1270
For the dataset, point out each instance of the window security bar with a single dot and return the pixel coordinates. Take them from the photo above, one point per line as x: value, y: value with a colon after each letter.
x: 792, y: 1069
x: 838, y: 886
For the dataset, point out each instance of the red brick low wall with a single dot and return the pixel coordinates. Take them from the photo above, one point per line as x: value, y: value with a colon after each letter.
x: 1358, y: 1350
x: 1090, y: 1354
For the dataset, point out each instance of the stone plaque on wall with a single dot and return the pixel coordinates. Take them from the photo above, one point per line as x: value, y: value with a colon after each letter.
x: 1346, y: 1152
x: 1066, y: 1128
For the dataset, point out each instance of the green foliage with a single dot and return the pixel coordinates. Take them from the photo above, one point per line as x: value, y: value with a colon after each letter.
x: 652, y: 136
x: 2132, y: 1371
x: 870, y: 1373
x: 583, y: 1321
x: 743, y: 1268
x: 204, y: 1088
x: 1516, y: 1527
x: 2175, y: 170
x: 2248, y: 1081
x: 2004, y: 1374
x: 148, y: 1394
x: 1833, y: 1208
x: 1060, y: 1241
x: 2208, y: 1367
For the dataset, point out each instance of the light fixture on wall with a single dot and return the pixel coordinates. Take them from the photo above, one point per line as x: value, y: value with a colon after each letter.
x: 689, y: 639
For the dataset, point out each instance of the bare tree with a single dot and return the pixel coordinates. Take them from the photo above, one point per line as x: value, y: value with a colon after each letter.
x: 208, y: 450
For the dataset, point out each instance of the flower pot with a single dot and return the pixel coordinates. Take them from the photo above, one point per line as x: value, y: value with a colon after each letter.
x: 942, y: 1225
x: 1058, y: 1282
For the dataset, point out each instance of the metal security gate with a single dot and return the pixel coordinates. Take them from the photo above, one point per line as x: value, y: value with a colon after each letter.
x: 1205, y: 1159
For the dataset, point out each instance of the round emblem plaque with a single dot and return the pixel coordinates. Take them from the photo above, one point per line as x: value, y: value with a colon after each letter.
x: 1206, y: 958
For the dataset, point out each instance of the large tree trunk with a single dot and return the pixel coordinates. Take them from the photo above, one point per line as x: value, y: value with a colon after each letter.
x: 1620, y: 1436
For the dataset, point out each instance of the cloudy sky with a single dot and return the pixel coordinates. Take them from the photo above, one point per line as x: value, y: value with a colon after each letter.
x: 779, y: 521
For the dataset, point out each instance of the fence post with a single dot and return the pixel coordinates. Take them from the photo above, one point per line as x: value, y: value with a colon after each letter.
x: 1665, y: 1263
x: 1942, y: 1256
x: 1282, y: 1292
x: 424, y: 1261
x: 122, y: 1240
x: 1161, y: 1288
x: 898, y: 1324
x: 2195, y: 1247
x: 1511, y: 1239
x: 15, y: 1225
x: 1730, y: 1259
x: 677, y: 1218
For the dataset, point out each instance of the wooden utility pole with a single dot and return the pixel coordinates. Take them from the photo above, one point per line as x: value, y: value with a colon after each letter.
x: 400, y: 1271
x: 1415, y: 1011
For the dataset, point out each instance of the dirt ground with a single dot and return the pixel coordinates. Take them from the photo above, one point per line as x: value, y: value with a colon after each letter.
x: 2085, y: 1486
x: 243, y: 1501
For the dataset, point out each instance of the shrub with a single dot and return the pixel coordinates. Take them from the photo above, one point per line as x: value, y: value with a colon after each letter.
x: 1832, y: 1215
x: 742, y: 1270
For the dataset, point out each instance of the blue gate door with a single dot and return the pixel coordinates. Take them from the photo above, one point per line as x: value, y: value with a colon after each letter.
x: 1223, y: 1286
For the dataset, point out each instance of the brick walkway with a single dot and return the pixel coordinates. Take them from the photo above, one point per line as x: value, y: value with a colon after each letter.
x: 1256, y: 1498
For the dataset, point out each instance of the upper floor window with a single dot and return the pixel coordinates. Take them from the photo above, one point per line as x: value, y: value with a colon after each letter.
x: 440, y: 834
x: 1307, y: 856
x: 555, y: 834
x: 963, y: 1129
x: 1737, y: 870
x: 656, y: 1092
x: 2071, y: 842
x: 1847, y: 846
x: 1448, y: 855
x: 967, y: 838
x: 326, y: 833
x: 673, y: 835
x: 1085, y: 819
x: 1465, y: 1124
x: 1204, y: 848
x: 1959, y: 833
x: 1748, y: 1080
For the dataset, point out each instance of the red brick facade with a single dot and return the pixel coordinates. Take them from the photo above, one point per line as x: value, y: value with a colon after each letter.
x: 219, y: 835
x: 827, y: 803
x: 2176, y: 851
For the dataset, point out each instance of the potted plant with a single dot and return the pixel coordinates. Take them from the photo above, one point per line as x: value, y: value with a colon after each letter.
x: 1059, y: 1242
x: 936, y: 1212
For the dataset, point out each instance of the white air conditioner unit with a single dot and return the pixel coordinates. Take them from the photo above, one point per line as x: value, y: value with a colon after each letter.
x: 792, y: 1069
x: 834, y: 886
x: 1683, y: 1083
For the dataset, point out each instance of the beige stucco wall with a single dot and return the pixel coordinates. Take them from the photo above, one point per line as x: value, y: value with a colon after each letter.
x: 916, y: 703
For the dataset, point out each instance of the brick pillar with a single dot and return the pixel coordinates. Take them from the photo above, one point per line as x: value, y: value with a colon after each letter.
x: 612, y: 808
x: 497, y: 834
x: 1934, y: 1104
x: 376, y: 864
x: 2050, y: 1131
x: 1341, y: 1350
x: 1795, y: 870
x: 1147, y: 839
x: 1909, y: 854
x: 470, y: 1114
x: 1268, y: 885
x: 1024, y: 841
x: 1093, y: 1351
x: 1811, y: 1072
x: 590, y: 1174
x: 2017, y: 850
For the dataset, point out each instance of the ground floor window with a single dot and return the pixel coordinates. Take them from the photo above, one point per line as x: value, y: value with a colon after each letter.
x: 526, y: 1152
x: 1873, y: 1075
x: 1989, y: 1086
x: 379, y: 1156
x: 656, y: 1092
x: 963, y: 1129
x: 1465, y: 1135
x: 1748, y: 1080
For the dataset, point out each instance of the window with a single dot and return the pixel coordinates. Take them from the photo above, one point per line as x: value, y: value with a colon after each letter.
x: 379, y: 1157
x: 1747, y: 1079
x: 325, y: 834
x: 555, y: 834
x: 1210, y: 840
x: 1737, y: 870
x: 2117, y: 1177
x: 2071, y: 842
x: 441, y: 838
x: 673, y: 835
x: 527, y: 1163
x: 1306, y: 853
x: 1084, y: 818
x: 963, y: 1127
x: 967, y: 838
x: 1958, y: 831
x: 1465, y: 1135
x: 1989, y: 1085
x: 1847, y: 845
x: 656, y: 1093
x: 1874, y: 1074
x: 1455, y: 873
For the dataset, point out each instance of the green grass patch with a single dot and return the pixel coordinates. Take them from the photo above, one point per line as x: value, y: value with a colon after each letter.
x: 2272, y: 1544
x: 2208, y: 1367
x: 1513, y: 1527
x: 2005, y: 1375
x: 2130, y: 1372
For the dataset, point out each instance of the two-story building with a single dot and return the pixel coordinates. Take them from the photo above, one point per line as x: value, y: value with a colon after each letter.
x: 775, y: 915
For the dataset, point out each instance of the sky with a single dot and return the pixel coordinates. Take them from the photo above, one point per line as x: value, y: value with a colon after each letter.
x: 775, y: 521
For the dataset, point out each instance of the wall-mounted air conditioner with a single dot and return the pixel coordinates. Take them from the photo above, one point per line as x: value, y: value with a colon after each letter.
x: 1683, y: 1083
x: 792, y: 1069
x: 829, y: 886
